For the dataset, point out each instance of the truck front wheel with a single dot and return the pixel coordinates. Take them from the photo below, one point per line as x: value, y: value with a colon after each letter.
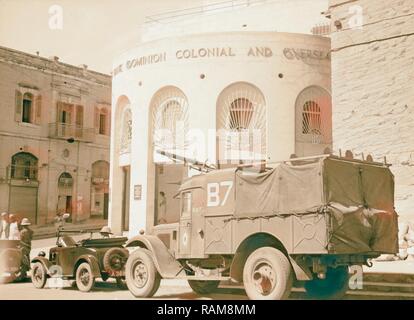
x: 203, y: 287
x: 142, y: 277
x: 267, y: 275
x: 333, y: 287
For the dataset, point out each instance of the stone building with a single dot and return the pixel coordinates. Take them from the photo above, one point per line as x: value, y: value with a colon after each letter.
x: 225, y: 95
x: 54, y: 138
x: 373, y: 86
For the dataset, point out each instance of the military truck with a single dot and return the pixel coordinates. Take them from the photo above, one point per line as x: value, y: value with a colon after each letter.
x: 301, y: 223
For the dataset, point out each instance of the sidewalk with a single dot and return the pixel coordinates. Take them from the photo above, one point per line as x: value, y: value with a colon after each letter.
x: 49, y: 231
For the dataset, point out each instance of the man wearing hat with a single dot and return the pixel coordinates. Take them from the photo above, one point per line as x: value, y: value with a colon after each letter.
x: 106, y: 232
x: 26, y: 236
x: 4, y: 226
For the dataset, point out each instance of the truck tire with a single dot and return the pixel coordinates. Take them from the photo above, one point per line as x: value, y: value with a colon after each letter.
x: 267, y: 275
x: 142, y: 277
x: 39, y: 275
x: 84, y: 277
x: 114, y: 259
x: 333, y: 287
x: 203, y: 287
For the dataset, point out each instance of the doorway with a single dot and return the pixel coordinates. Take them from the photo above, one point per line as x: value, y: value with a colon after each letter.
x: 126, y: 197
x: 65, y: 203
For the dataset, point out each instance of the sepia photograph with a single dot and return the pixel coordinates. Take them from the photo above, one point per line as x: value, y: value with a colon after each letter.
x: 212, y: 151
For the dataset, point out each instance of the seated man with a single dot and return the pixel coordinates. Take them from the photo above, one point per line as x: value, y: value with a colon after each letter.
x: 106, y: 232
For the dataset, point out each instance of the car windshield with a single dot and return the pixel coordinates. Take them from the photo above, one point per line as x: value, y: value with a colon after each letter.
x: 67, y: 241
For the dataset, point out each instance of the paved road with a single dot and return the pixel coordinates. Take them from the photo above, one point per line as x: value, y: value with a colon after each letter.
x: 169, y: 289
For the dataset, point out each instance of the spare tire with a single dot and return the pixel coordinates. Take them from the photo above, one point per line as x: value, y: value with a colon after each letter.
x: 115, y: 259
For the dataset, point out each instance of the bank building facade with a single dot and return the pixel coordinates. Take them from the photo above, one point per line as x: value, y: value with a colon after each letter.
x: 222, y: 98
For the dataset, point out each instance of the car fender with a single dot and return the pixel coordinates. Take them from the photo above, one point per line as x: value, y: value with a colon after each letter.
x: 93, y: 262
x: 166, y: 264
x: 44, y: 261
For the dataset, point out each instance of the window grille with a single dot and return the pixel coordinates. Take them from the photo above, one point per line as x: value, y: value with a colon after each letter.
x: 170, y: 120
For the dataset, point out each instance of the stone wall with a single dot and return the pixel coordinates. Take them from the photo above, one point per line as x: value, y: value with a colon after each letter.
x: 373, y: 87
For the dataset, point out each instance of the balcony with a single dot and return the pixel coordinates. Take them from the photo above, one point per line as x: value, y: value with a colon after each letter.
x: 66, y: 131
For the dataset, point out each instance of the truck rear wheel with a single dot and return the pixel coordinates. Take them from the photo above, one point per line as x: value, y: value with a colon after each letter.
x: 203, y: 287
x: 333, y: 287
x: 142, y: 277
x: 267, y: 275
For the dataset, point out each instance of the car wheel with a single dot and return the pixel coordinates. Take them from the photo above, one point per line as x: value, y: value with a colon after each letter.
x: 121, y: 284
x: 84, y: 277
x: 39, y: 275
x: 333, y: 287
x: 114, y: 259
x: 142, y: 277
x: 267, y: 275
x: 203, y: 287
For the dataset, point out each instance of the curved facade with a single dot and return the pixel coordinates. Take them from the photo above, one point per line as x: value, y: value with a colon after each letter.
x: 220, y: 97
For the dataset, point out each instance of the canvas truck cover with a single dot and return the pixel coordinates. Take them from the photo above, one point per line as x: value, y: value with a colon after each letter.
x: 357, y: 199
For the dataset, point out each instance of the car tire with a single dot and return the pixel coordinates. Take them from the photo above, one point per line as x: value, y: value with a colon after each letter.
x: 142, y: 277
x: 203, y: 287
x: 85, y: 280
x: 267, y: 275
x: 333, y: 287
x: 114, y: 259
x: 39, y: 275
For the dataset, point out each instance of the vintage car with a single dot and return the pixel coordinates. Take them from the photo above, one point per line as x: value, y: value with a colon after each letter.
x: 11, y: 259
x: 82, y: 261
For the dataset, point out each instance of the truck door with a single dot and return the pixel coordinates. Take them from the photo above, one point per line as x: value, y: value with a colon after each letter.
x: 191, y: 234
x: 185, y: 224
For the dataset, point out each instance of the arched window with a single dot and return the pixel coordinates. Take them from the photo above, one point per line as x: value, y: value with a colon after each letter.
x: 65, y: 180
x: 24, y: 166
x: 27, y: 108
x: 313, y: 121
x: 100, y: 170
x: 170, y: 120
x: 241, y: 124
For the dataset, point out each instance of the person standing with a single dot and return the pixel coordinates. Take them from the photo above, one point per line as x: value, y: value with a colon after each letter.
x: 162, y: 208
x: 4, y: 226
x: 26, y: 236
x: 14, y: 233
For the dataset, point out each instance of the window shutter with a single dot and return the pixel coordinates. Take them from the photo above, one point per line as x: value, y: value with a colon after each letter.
x: 19, y: 106
x: 79, y: 116
x: 38, y: 108
x: 108, y: 131
x: 96, y: 120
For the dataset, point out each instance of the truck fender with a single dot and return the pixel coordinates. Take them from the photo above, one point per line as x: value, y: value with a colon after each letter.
x: 302, y: 272
x: 166, y: 264
x: 44, y: 261
x: 93, y: 262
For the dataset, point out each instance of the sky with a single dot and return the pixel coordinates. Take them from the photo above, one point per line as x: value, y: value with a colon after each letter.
x: 91, y: 32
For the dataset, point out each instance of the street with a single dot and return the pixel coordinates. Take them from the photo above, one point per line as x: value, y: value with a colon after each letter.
x: 169, y: 289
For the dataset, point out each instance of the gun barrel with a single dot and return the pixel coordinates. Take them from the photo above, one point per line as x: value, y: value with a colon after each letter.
x: 174, y: 156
